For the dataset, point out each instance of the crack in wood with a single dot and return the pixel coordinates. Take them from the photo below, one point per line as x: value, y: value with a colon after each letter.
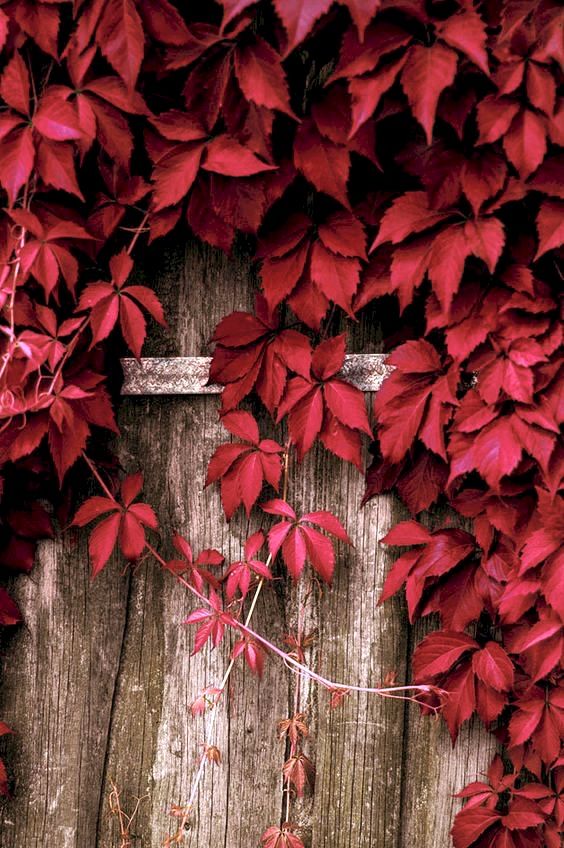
x: 107, y: 748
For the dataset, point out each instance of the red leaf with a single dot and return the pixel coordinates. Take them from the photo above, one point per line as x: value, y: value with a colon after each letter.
x: 131, y: 487
x: 133, y: 325
x: 40, y: 21
x: 222, y: 460
x: 416, y: 357
x: 299, y: 16
x: 164, y: 22
x: 407, y: 533
x: 131, y: 536
x: 438, y: 652
x: 4, y: 23
x: 344, y: 234
x: 362, y: 12
x: 174, y: 174
x: 427, y: 72
x: 281, y: 837
x: 366, y: 92
x: 470, y: 823
x: 525, y: 142
x: 233, y: 8
x: 422, y: 481
x: 305, y: 420
x: 457, y: 599
x: 112, y: 89
x: 149, y: 300
x: 238, y: 329
x: 461, y: 701
x: 523, y: 814
x: 496, y: 451
x: 322, y: 162
x: 446, y: 550
x: 102, y: 542
x: 341, y: 440
x: 493, y: 666
x: 328, y: 357
x: 93, y: 508
x: 294, y: 551
x: 225, y: 155
x: 541, y: 88
x: 410, y: 213
x: 261, y: 76
x: 112, y: 131
x: 120, y: 37
x: 17, y: 155
x: 329, y: 522
x: 466, y: 31
x: 483, y: 177
x: 550, y: 226
x: 485, y: 237
x: 280, y: 275
x: 398, y: 575
x: 241, y: 424
x: 495, y: 115
x: 525, y: 720
x: 55, y: 165
x: 346, y: 402
x: 66, y: 445
x: 56, y: 119
x: 14, y: 84
x: 320, y: 553
x: 336, y: 276
x: 249, y: 472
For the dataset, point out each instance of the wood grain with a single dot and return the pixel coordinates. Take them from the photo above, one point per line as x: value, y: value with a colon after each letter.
x: 58, y: 683
x: 99, y: 682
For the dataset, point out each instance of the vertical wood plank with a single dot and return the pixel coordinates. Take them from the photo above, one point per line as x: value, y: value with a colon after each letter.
x: 359, y: 743
x: 434, y: 770
x: 57, y: 691
x: 154, y: 742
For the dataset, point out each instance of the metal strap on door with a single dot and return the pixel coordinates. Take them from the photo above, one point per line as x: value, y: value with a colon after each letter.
x: 188, y: 375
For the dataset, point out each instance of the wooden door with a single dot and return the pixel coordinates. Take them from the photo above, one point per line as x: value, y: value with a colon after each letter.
x: 98, y: 682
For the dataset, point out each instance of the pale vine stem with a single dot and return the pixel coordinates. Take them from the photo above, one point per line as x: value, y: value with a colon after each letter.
x: 12, y: 298
x: 17, y: 266
x: 125, y: 820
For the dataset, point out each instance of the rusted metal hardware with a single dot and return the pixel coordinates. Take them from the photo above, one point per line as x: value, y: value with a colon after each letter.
x: 188, y: 375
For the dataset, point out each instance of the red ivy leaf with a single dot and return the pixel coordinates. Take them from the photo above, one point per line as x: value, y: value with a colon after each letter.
x: 126, y: 522
x: 427, y: 72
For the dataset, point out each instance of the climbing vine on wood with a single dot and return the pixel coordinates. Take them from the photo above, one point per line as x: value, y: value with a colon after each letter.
x: 401, y: 156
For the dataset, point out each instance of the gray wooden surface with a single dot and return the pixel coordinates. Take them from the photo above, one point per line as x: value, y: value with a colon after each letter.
x: 98, y: 682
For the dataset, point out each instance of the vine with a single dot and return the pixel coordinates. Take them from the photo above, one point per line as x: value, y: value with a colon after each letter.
x: 404, y: 154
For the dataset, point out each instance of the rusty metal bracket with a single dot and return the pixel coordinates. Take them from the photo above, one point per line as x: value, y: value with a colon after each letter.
x: 188, y: 375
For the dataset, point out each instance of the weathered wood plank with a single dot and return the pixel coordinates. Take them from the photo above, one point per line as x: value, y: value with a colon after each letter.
x: 434, y: 770
x: 154, y: 742
x: 358, y: 744
x: 57, y: 690
x: 188, y: 375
